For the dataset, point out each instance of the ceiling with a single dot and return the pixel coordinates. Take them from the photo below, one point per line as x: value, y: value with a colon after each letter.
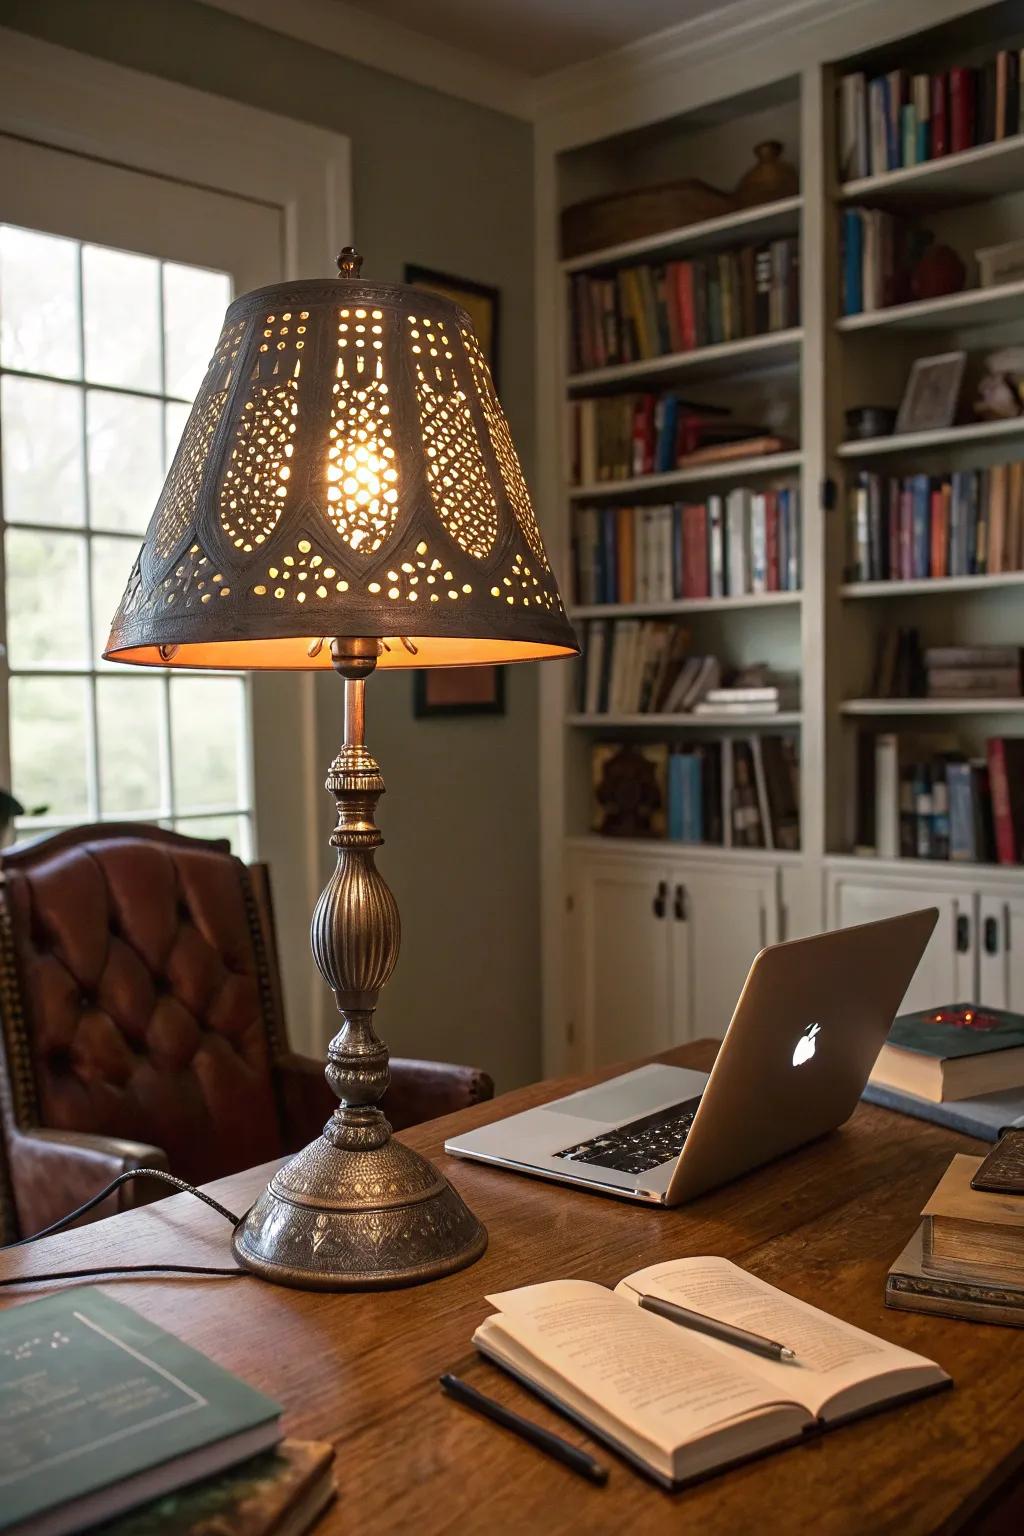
x: 534, y: 37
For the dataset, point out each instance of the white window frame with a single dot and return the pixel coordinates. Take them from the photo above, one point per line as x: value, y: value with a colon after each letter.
x: 69, y: 101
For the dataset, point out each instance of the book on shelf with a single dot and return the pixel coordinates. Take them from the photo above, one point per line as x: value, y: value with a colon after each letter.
x: 954, y: 1052
x: 921, y: 796
x: 914, y: 527
x: 978, y: 672
x: 966, y: 1259
x: 974, y: 1233
x: 901, y: 119
x: 629, y: 435
x: 879, y: 250
x: 651, y: 310
x: 281, y: 1493
x: 742, y: 543
x: 105, y: 1411
x: 732, y: 792
x: 679, y: 1404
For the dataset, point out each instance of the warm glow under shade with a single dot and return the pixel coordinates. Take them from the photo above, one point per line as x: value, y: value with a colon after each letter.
x: 346, y: 470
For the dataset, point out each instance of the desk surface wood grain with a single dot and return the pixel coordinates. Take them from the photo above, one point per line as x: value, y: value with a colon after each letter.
x: 361, y: 1370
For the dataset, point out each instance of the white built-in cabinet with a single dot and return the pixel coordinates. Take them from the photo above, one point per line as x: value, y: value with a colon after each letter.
x: 661, y: 948
x: 976, y: 953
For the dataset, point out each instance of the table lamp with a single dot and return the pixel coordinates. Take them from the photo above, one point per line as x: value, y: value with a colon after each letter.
x: 346, y: 494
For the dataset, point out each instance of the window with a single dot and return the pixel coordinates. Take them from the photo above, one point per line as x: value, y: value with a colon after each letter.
x: 101, y: 354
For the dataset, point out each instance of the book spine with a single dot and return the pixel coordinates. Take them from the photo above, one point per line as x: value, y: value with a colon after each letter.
x: 961, y: 109
x: 961, y: 813
x: 1006, y: 843
x: 940, y: 116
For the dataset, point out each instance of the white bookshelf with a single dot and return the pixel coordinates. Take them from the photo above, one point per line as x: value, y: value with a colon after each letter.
x: 725, y: 471
x: 746, y: 224
x: 723, y: 360
x: 708, y: 113
x: 943, y: 440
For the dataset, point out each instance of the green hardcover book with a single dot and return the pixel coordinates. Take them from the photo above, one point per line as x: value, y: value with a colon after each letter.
x: 101, y: 1410
x: 954, y: 1052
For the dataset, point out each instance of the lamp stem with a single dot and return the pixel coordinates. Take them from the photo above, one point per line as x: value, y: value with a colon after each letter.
x: 355, y: 700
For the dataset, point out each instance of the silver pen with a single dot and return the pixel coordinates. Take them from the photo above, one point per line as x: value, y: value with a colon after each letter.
x: 729, y: 1334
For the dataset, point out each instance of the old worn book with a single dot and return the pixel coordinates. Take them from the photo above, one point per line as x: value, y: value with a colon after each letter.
x: 911, y: 1287
x: 954, y: 1052
x: 101, y: 1410
x: 677, y: 1403
x: 280, y: 1493
x: 973, y: 1232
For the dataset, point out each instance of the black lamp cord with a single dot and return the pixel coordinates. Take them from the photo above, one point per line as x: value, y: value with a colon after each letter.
x: 124, y: 1269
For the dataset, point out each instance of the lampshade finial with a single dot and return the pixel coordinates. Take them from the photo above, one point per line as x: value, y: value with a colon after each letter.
x: 350, y: 263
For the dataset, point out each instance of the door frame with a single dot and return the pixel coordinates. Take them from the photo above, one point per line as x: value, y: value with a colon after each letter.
x: 71, y: 101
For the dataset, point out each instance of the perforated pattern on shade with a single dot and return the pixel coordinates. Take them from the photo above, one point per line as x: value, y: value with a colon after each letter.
x: 346, y: 470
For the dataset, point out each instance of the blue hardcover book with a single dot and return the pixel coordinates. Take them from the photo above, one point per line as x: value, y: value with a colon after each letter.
x: 609, y: 572
x: 675, y: 798
x: 986, y: 1116
x: 693, y: 818
x: 890, y: 112
x: 959, y: 785
x: 921, y: 525
x: 853, y: 262
x: 665, y: 456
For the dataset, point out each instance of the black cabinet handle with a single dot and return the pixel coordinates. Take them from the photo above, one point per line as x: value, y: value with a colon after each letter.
x: 679, y: 904
x: 660, y: 899
x: 991, y: 936
x: 963, y: 934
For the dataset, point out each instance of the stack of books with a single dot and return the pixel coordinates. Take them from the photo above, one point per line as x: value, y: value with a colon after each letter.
x: 631, y: 667
x: 108, y: 1418
x: 625, y: 436
x: 879, y: 251
x: 953, y: 1052
x: 736, y: 792
x: 760, y: 699
x: 970, y: 523
x: 901, y: 119
x: 642, y: 312
x: 966, y: 1259
x: 923, y: 797
x: 973, y: 671
x: 741, y: 543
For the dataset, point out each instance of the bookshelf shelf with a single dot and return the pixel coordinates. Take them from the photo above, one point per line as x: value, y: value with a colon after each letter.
x: 687, y: 722
x: 974, y: 306
x: 750, y: 355
x: 965, y: 706
x: 967, y: 870
x: 685, y: 605
x: 767, y: 222
x: 932, y: 586
x: 944, y: 439
x: 657, y: 847
x: 733, y: 470
x: 972, y: 176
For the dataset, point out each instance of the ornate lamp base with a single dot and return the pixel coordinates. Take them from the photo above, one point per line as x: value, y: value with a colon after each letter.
x: 357, y: 1210
x: 338, y: 1219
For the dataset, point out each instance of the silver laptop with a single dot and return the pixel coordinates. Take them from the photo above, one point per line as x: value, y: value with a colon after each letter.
x: 810, y: 1021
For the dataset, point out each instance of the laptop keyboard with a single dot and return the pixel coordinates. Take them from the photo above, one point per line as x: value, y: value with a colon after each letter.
x: 639, y: 1146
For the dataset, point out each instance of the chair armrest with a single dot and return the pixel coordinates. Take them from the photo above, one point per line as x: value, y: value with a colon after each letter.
x: 307, y: 1102
x: 52, y: 1172
x: 424, y: 1090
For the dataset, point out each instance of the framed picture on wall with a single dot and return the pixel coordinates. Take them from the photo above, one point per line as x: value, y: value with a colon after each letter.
x: 481, y: 303
x: 462, y: 690
x: 446, y: 691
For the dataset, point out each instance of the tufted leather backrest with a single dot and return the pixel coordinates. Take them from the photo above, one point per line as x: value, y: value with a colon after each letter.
x: 148, y: 1008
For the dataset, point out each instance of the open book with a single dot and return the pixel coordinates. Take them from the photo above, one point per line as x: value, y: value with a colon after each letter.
x: 678, y: 1403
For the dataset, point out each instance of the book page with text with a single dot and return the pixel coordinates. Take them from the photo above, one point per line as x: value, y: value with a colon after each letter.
x: 839, y: 1368
x: 668, y: 1386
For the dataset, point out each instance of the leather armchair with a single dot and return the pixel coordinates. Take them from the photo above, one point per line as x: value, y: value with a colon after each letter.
x: 143, y: 1025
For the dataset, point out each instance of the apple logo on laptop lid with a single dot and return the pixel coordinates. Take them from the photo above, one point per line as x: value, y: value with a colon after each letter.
x: 804, y: 1048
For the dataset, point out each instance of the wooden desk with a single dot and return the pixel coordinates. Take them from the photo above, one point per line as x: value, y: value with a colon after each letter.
x: 361, y: 1370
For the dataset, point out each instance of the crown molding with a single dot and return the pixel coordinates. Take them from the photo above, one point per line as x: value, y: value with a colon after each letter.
x: 396, y: 50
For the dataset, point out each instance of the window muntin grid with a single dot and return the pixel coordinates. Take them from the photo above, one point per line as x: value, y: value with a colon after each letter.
x: 101, y: 353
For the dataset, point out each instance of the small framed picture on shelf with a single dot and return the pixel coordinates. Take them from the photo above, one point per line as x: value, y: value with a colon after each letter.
x: 446, y: 691
x: 932, y: 393
x: 481, y: 303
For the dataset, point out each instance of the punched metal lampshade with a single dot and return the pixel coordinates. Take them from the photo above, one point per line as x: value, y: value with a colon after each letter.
x: 346, y: 470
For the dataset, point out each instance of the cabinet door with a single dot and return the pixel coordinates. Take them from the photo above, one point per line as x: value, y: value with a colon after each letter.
x: 720, y: 919
x: 947, y: 972
x: 624, y: 980
x: 1001, y: 952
